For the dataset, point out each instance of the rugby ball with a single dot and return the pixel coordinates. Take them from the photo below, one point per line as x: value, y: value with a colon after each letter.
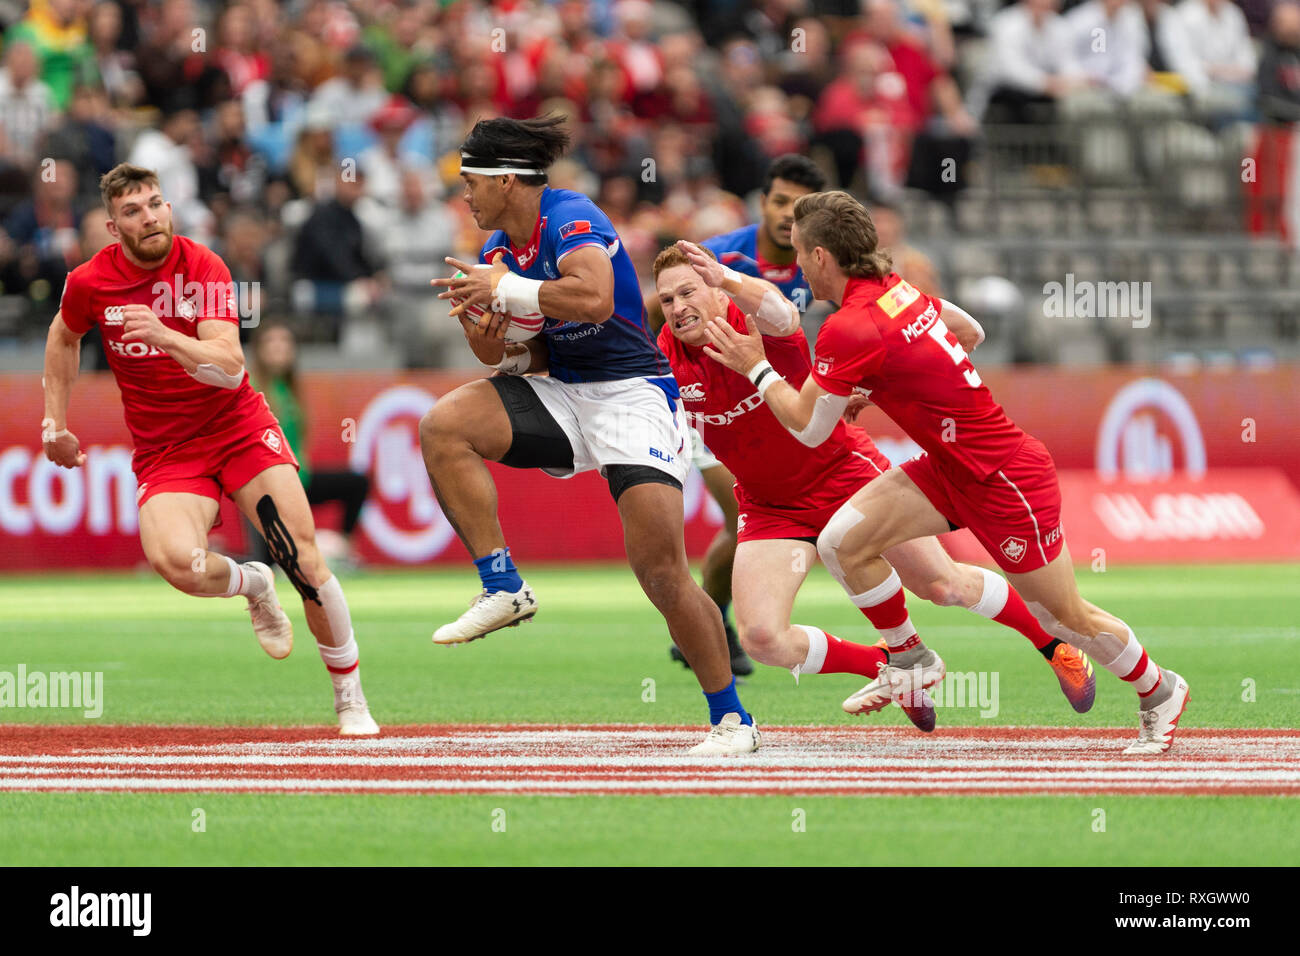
x: 521, y: 327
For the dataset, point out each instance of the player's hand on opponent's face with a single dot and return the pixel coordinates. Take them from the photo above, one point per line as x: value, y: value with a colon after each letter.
x: 707, y: 268
x: 139, y: 324
x: 61, y: 446
x: 475, y: 287
x: 739, y: 352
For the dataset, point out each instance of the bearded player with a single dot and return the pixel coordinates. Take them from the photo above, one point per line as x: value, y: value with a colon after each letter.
x: 762, y: 250
x: 609, y: 402
x: 166, y: 310
x: 889, y: 343
x: 787, y: 491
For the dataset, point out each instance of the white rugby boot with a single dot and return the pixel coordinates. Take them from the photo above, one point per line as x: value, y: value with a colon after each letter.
x: 488, y: 613
x: 272, y: 626
x: 1156, y: 726
x: 904, y: 686
x: 350, y: 704
x: 728, y: 736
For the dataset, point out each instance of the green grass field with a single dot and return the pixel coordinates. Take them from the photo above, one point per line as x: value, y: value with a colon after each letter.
x: 169, y: 659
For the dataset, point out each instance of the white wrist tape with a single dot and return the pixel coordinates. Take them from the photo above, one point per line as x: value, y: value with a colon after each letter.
x: 210, y: 374
x: 776, y: 314
x: 515, y: 364
x: 764, y: 376
x: 52, y: 436
x: 728, y: 274
x: 517, y: 294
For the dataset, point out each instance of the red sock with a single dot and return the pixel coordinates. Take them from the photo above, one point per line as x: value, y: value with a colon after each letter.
x: 886, y: 608
x: 1016, y: 615
x: 845, y: 657
x: 1000, y: 602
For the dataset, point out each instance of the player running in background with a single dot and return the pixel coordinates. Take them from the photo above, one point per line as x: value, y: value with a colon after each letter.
x: 166, y: 310
x: 788, y: 491
x: 609, y: 403
x: 762, y: 250
x: 889, y: 343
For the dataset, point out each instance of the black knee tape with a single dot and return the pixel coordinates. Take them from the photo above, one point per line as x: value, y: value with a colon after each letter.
x: 284, y: 551
x: 623, y: 477
x: 536, y: 438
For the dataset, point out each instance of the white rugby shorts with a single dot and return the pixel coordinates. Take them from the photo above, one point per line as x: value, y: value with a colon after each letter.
x: 622, y: 422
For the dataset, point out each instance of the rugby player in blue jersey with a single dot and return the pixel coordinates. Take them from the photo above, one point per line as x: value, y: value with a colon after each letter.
x: 609, y: 402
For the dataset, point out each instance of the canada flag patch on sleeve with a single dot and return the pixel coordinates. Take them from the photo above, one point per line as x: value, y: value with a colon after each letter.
x: 577, y: 227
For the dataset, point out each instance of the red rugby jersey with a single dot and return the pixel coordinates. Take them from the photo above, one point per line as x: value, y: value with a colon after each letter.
x: 771, y: 465
x: 888, y: 342
x: 162, y: 404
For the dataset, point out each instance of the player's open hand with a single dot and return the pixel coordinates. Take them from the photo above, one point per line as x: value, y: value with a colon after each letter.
x: 61, y: 446
x: 139, y: 324
x: 476, y: 287
x: 486, y: 335
x: 706, y: 267
x: 740, y: 352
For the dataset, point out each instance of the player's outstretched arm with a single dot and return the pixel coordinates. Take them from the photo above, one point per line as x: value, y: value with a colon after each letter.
x: 773, y: 312
x: 62, y: 362
x: 809, y: 413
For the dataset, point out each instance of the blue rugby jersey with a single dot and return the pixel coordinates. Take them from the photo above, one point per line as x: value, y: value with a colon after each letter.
x: 739, y: 250
x: 621, y: 346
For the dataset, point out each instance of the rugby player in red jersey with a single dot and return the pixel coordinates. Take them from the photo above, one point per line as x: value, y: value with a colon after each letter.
x: 890, y: 344
x: 787, y: 491
x: 166, y: 310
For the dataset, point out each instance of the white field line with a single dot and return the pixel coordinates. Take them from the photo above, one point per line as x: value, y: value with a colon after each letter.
x: 865, y: 775
x: 763, y: 762
x: 576, y: 785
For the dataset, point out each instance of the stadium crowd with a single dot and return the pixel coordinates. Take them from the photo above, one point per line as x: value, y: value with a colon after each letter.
x: 314, y: 144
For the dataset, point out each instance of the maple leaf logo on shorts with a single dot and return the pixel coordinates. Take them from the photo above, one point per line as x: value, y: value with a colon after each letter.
x: 1014, y: 548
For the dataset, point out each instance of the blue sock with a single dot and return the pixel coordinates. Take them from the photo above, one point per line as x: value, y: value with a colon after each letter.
x: 724, y: 702
x: 497, y: 572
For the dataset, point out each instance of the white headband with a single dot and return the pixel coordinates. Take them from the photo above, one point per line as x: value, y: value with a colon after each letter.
x: 521, y: 170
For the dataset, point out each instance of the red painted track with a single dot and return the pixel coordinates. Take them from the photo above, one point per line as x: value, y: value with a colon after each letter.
x: 640, y: 759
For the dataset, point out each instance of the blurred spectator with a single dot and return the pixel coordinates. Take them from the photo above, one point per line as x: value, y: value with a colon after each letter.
x: 1169, y: 54
x: 386, y: 161
x: 169, y: 40
x: 246, y: 242
x: 312, y: 169
x: 420, y: 232
x: 238, y: 52
x: 41, y: 241
x: 1029, y: 64
x: 1108, y: 45
x: 87, y: 139
x: 807, y: 67
x: 169, y: 151
x: 738, y: 162
x: 56, y: 31
x: 274, y: 373
x: 229, y: 171
x: 865, y: 118
x: 909, y: 262
x: 115, y: 65
x: 349, y: 98
x: 1218, y: 42
x: 334, y: 265
x: 1274, y: 195
x: 26, y: 103
x: 942, y: 127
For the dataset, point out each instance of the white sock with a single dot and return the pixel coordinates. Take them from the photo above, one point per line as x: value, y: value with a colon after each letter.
x: 243, y: 580
x: 812, y: 664
x: 993, y: 599
x: 341, y: 656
